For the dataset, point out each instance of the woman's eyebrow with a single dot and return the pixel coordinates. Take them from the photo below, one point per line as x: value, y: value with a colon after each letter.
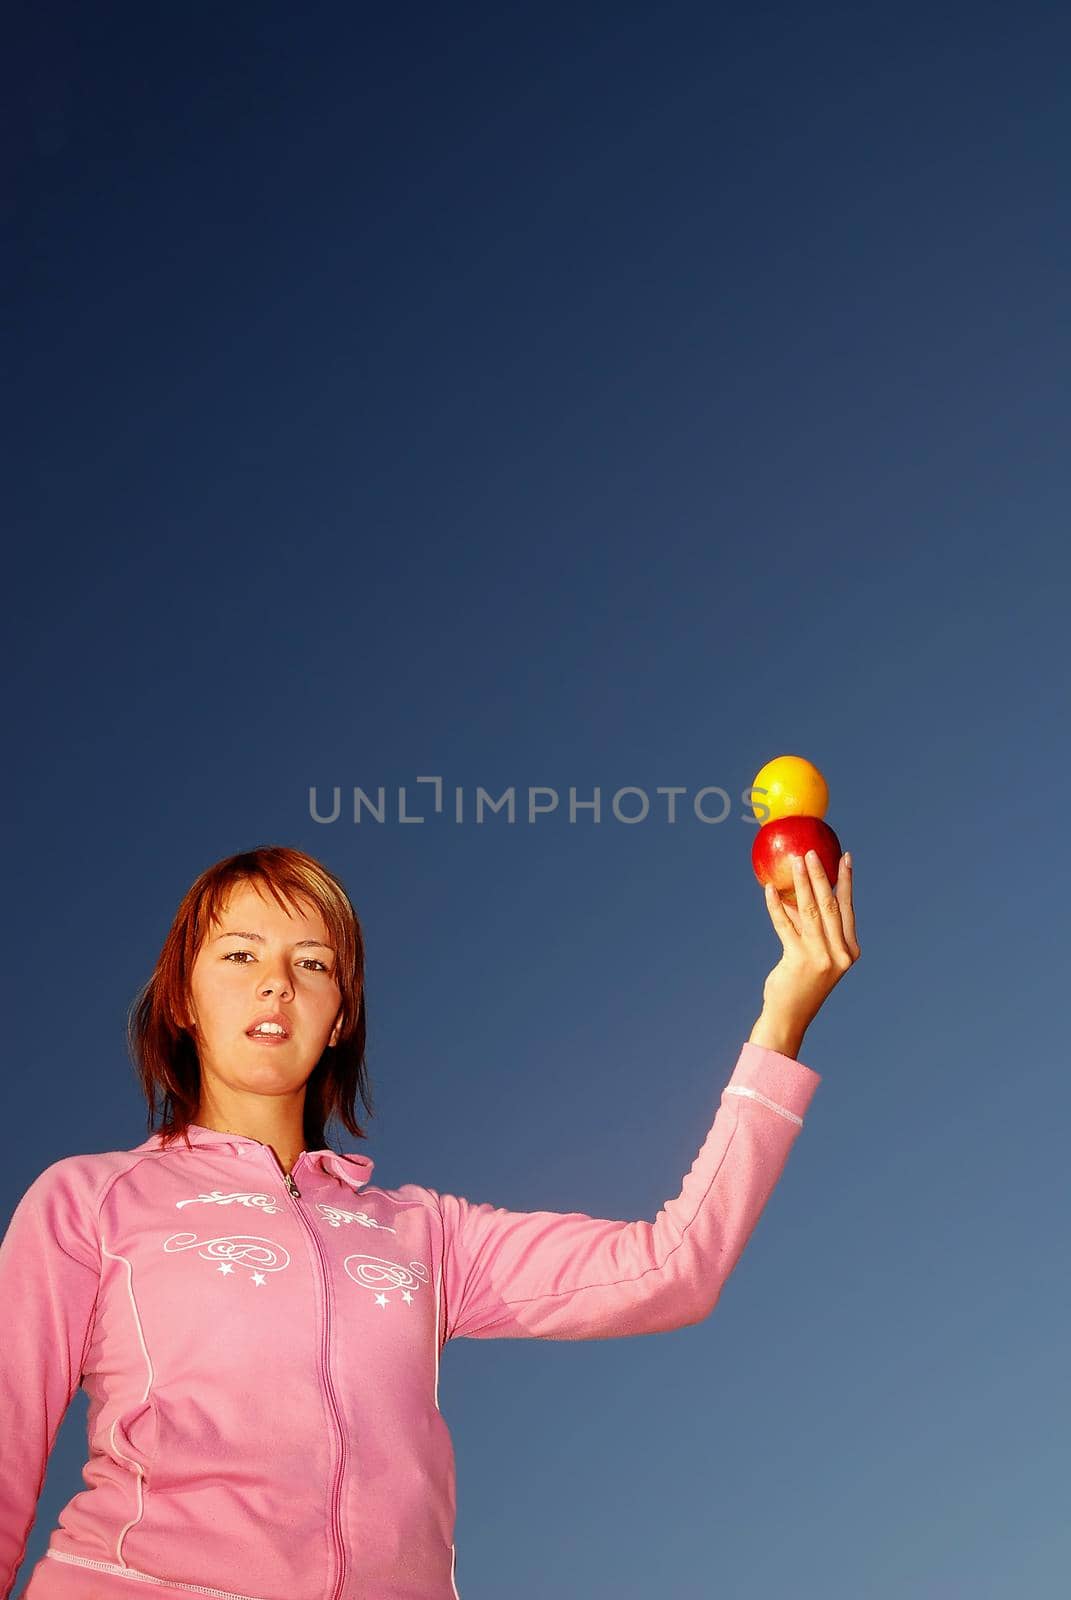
x: 300, y: 943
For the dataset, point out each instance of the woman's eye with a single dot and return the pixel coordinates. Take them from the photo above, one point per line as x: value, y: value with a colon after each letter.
x: 305, y: 960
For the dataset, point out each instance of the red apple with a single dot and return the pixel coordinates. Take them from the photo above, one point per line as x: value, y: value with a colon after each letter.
x: 777, y: 842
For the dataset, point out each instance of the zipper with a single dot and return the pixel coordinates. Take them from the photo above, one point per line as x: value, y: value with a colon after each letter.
x: 325, y: 1346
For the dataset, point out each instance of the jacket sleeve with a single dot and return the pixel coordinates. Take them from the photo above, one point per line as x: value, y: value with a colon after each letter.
x: 49, y: 1274
x: 548, y: 1275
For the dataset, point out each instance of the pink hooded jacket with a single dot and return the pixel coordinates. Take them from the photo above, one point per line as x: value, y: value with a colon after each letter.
x: 261, y: 1351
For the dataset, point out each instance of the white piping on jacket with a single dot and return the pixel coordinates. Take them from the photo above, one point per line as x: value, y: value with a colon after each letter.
x: 145, y: 1577
x: 148, y: 1389
x: 753, y: 1094
x: 438, y: 1354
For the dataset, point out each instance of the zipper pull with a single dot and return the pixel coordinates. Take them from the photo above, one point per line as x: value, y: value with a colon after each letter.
x: 292, y: 1186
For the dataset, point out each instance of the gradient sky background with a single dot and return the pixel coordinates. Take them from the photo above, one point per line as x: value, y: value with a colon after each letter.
x: 586, y: 396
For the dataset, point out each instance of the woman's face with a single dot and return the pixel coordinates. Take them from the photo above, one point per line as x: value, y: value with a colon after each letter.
x: 259, y: 959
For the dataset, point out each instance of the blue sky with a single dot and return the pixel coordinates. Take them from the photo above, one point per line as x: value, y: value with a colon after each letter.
x: 586, y: 397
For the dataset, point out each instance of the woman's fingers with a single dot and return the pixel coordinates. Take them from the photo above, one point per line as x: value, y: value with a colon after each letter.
x: 847, y: 909
x: 824, y: 910
x: 812, y: 921
x: 790, y: 912
x: 782, y: 919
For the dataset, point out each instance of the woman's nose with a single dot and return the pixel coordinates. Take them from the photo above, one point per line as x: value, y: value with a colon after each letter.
x: 277, y: 985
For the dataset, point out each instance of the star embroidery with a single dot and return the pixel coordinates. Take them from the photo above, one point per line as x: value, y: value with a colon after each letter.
x: 407, y: 1297
x: 381, y: 1299
x: 225, y: 1266
x: 258, y: 1278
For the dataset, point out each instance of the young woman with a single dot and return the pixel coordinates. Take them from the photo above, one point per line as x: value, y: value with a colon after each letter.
x: 259, y: 1328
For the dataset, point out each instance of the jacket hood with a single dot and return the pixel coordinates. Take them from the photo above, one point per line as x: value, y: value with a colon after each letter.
x: 351, y: 1166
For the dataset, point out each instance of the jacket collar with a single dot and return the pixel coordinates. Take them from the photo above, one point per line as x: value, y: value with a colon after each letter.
x: 351, y: 1166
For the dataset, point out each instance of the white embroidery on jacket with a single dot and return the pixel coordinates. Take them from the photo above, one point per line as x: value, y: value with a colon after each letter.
x: 263, y: 1253
x: 336, y: 1217
x: 374, y: 1270
x: 264, y: 1202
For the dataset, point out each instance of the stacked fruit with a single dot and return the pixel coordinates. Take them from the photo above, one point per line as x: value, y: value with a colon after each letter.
x: 795, y: 796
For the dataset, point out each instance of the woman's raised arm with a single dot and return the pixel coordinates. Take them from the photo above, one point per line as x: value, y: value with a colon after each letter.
x: 553, y: 1275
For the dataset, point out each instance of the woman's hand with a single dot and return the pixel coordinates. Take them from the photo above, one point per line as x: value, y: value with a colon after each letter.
x: 819, y: 945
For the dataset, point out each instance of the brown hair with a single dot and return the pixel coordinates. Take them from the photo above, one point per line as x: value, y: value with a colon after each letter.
x: 162, y: 1048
